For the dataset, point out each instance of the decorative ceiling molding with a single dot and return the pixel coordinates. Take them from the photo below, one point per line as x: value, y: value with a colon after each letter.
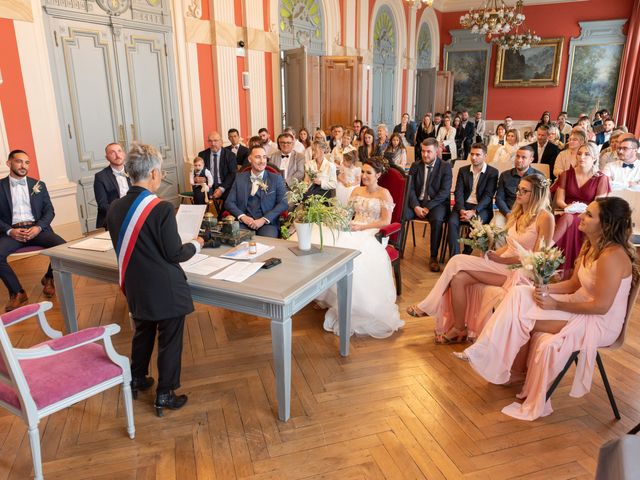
x: 465, y: 5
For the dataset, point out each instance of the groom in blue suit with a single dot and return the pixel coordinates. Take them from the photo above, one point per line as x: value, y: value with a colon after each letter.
x: 257, y: 197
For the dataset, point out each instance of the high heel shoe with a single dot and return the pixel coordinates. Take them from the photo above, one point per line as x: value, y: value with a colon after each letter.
x: 140, y: 385
x: 453, y: 336
x: 169, y: 400
x: 461, y: 356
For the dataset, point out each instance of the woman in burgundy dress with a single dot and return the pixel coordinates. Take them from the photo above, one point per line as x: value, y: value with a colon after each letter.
x: 582, y: 184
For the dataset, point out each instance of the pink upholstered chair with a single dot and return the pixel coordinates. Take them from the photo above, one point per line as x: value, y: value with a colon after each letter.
x: 38, y: 381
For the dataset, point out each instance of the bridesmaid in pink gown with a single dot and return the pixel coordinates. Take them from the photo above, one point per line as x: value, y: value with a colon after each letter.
x: 583, y: 313
x: 530, y: 222
x: 580, y: 184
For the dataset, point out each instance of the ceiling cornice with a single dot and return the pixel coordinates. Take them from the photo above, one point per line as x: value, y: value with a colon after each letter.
x: 465, y: 5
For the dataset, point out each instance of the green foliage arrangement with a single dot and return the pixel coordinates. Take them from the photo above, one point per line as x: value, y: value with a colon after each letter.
x: 315, y: 209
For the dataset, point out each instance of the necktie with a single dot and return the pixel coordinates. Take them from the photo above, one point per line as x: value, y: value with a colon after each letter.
x: 425, y: 183
x: 15, y: 182
x: 254, y: 184
x: 216, y: 176
x: 627, y: 165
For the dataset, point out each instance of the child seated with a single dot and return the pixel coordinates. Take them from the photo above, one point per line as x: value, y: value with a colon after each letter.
x: 349, y: 177
x: 201, y: 182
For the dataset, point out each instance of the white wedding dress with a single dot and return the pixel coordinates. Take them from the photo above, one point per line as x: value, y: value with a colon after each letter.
x: 373, y: 302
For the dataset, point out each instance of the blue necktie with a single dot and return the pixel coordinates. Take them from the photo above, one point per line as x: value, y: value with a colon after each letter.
x: 216, y: 176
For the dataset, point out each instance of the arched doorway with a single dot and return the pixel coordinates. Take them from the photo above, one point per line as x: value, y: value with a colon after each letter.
x: 384, y: 67
x: 301, y: 29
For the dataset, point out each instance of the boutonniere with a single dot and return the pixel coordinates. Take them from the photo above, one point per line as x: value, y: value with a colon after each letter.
x: 36, y: 188
x: 262, y: 185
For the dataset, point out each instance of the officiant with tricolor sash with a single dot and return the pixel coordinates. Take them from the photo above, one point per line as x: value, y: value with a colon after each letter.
x: 149, y: 249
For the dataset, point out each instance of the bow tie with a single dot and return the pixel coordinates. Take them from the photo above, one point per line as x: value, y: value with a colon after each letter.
x: 284, y: 156
x: 16, y: 182
x: 255, y: 179
x: 627, y: 165
x: 119, y: 174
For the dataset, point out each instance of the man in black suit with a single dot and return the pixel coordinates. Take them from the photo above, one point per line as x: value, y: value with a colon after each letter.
x: 475, y: 187
x: 222, y: 164
x: 543, y: 150
x: 469, y: 130
x: 26, y: 213
x: 240, y: 151
x: 110, y: 183
x: 258, y: 197
x: 429, y: 192
x: 155, y: 285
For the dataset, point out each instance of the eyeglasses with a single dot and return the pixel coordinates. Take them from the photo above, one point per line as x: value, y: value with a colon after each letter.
x: 624, y: 149
x: 522, y: 191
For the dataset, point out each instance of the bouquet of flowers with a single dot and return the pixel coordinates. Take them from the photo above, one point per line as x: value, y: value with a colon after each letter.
x: 540, y: 266
x: 483, y: 237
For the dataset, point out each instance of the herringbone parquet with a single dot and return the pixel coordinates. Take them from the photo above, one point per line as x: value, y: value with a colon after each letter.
x: 395, y: 408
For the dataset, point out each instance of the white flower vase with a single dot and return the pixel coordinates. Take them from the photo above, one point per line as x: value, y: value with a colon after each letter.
x: 304, y: 235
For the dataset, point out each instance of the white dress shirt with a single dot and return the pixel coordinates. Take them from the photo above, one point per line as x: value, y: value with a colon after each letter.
x: 121, y: 178
x: 541, y: 150
x: 20, y: 201
x: 473, y: 198
x: 620, y: 175
x: 326, y: 173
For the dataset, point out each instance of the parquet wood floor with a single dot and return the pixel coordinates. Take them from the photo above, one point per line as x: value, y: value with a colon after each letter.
x: 401, y: 407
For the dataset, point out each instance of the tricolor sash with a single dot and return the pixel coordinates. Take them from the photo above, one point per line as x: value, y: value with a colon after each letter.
x: 131, y: 226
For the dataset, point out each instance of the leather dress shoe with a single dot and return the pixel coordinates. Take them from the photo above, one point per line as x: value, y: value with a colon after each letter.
x: 140, y: 385
x: 16, y: 300
x: 49, y: 289
x: 434, y: 266
x: 169, y: 400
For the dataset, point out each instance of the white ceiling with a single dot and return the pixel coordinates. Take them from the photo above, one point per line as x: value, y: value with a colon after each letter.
x: 464, y: 5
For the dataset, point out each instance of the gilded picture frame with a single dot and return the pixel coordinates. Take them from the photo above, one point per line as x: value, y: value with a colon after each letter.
x: 538, y: 66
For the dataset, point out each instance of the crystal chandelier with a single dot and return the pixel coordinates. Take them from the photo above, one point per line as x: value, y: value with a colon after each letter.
x: 517, y: 41
x: 493, y: 18
x: 420, y: 3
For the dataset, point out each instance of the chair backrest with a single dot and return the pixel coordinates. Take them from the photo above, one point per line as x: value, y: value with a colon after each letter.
x: 491, y: 152
x: 13, y: 383
x: 633, y: 295
x: 395, y: 180
x: 269, y: 168
x: 543, y: 168
x: 456, y: 168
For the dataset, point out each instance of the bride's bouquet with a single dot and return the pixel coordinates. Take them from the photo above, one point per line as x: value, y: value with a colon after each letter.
x: 483, y: 236
x: 540, y: 266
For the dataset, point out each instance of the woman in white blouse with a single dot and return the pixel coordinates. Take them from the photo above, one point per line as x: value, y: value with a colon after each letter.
x: 447, y: 134
x: 567, y: 157
x: 319, y: 172
x: 506, y: 153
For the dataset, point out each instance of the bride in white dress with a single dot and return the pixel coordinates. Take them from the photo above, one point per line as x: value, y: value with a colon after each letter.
x: 373, y: 303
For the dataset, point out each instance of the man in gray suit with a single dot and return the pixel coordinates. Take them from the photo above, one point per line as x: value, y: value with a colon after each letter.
x: 288, y: 160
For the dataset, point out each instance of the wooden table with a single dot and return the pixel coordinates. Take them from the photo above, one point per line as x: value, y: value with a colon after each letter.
x: 277, y: 293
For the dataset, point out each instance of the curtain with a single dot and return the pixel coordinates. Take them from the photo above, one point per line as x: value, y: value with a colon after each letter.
x: 628, y: 104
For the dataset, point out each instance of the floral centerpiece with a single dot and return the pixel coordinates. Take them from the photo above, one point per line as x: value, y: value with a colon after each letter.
x: 541, y: 266
x: 314, y: 209
x: 483, y: 236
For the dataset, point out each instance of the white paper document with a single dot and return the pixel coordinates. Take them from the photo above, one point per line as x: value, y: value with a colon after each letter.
x: 238, y: 272
x: 93, y: 244
x: 241, y: 252
x: 189, y: 219
x: 198, y: 257
x: 103, y: 236
x: 207, y: 266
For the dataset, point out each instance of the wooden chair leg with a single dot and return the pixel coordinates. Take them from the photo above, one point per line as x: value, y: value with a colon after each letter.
x: 554, y: 385
x: 128, y: 409
x: 607, y: 387
x: 413, y: 234
x: 398, y: 277
x: 34, y: 441
x: 443, y: 240
x: 424, y: 230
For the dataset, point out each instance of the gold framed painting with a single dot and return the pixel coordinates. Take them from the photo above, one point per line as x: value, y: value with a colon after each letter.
x: 538, y: 66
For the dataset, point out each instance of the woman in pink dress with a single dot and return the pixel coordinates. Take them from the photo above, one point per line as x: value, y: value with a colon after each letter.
x: 583, y: 313
x: 454, y: 300
x: 581, y: 184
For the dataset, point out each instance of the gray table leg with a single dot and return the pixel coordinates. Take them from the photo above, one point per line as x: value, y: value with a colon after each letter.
x: 64, y: 289
x: 281, y: 345
x: 344, y: 309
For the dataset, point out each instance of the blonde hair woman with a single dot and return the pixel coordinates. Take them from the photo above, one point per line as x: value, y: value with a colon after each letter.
x: 567, y: 158
x: 458, y: 310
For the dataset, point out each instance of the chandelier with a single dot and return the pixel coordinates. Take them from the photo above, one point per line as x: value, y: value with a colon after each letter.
x: 493, y: 18
x: 517, y: 41
x: 420, y: 3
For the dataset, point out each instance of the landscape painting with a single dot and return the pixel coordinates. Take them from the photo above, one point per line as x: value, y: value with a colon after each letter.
x: 538, y: 66
x: 469, y: 73
x: 593, y: 78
